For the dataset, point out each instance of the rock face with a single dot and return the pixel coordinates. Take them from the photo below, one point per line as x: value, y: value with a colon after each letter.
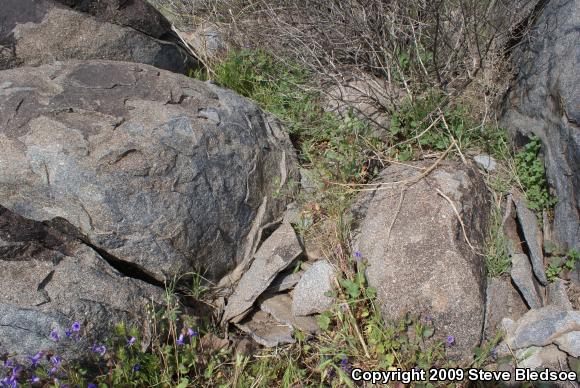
x: 543, y: 100
x: 310, y: 292
x: 36, y: 32
x: 418, y: 257
x: 153, y: 169
x: 541, y: 327
x: 503, y: 301
x: 276, y: 253
x: 49, y: 280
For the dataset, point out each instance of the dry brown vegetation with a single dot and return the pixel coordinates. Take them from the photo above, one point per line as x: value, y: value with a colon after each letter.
x: 383, y: 49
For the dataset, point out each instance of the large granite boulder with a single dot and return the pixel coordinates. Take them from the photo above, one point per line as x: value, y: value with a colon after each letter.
x: 543, y: 100
x: 35, y: 32
x: 156, y: 170
x: 420, y: 258
x: 49, y: 280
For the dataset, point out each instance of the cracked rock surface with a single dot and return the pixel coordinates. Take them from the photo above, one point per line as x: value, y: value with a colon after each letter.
x: 49, y: 280
x: 417, y: 253
x: 543, y: 100
x: 32, y: 33
x: 154, y: 170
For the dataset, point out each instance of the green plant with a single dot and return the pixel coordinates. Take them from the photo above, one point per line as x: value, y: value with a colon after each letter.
x: 560, y: 261
x: 337, y: 148
x: 497, y: 259
x: 531, y: 174
x: 412, y: 129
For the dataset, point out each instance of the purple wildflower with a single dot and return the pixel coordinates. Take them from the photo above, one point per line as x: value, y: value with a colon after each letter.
x: 450, y: 340
x: 91, y: 385
x: 35, y: 359
x: 8, y: 363
x: 56, y: 360
x: 54, y: 335
x: 357, y: 254
x: 101, y: 349
x: 9, y: 382
x: 131, y: 341
x: 76, y: 327
x: 180, y: 340
x: 344, y: 365
x: 191, y: 332
x: 35, y: 379
x: 136, y: 367
x: 68, y: 333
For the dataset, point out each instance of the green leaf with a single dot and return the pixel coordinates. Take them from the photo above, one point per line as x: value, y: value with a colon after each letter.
x: 428, y: 332
x: 323, y: 321
x: 183, y: 383
x: 351, y: 288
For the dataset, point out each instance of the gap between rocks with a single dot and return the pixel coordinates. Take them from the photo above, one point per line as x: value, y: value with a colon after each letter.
x: 126, y: 268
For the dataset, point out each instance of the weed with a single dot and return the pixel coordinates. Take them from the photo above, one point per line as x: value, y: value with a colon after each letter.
x: 338, y: 148
x: 497, y: 259
x: 531, y: 174
x: 412, y: 130
x: 560, y: 261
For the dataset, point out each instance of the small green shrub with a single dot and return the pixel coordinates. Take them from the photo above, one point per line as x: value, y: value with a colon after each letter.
x: 497, y: 259
x: 531, y: 174
x: 561, y: 261
x: 338, y: 149
x: 409, y: 129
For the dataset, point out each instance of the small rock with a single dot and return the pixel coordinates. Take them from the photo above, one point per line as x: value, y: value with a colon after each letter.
x: 542, y: 326
x: 486, y: 162
x: 529, y: 224
x: 536, y: 357
x: 503, y: 301
x: 265, y: 330
x: 280, y: 307
x: 244, y: 347
x: 276, y: 254
x: 284, y: 282
x: 292, y: 214
x: 309, y: 294
x: 557, y: 294
x: 308, y: 181
x: 570, y: 343
x: 523, y: 278
x: 212, y: 343
x: 574, y: 295
x: 510, y: 228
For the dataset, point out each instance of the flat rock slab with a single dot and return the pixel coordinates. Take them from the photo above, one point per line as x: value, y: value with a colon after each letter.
x: 49, y: 280
x: 486, y: 162
x: 418, y: 257
x: 309, y: 295
x: 280, y: 307
x: 284, y: 282
x: 541, y: 357
x: 275, y: 254
x: 266, y: 330
x: 134, y: 159
x: 532, y: 234
x: 557, y: 294
x: 523, y: 277
x: 37, y: 32
x: 541, y: 327
x: 569, y: 343
x: 503, y: 301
